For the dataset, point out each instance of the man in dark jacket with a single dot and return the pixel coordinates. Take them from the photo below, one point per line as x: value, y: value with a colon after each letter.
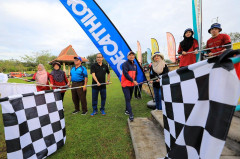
x: 128, y: 81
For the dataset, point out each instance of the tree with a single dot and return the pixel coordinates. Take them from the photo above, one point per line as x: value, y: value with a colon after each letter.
x: 42, y: 57
x: 235, y: 37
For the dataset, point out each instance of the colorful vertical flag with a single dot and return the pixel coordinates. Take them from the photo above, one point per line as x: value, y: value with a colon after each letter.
x: 154, y: 44
x: 149, y: 55
x: 139, y: 52
x: 197, y: 24
x: 103, y: 34
x: 171, y: 47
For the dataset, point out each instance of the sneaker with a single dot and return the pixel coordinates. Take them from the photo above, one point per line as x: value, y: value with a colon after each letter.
x: 131, y: 118
x: 94, y: 113
x: 75, y: 112
x: 84, y: 113
x: 126, y: 112
x: 103, y: 112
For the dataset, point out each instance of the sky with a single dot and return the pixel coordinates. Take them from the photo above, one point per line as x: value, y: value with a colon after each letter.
x: 29, y: 26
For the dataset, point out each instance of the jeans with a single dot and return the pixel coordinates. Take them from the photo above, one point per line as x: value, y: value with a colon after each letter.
x: 158, y: 98
x: 95, y: 93
x: 128, y: 91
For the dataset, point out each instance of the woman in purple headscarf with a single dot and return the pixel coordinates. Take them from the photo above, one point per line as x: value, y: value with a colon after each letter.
x: 58, y: 77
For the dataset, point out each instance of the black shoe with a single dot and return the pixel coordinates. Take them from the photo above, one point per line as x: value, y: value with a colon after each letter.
x: 84, y: 113
x: 126, y: 112
x: 75, y: 112
x: 131, y: 118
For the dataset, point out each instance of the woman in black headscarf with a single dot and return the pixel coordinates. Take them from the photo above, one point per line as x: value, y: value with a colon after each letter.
x: 58, y: 77
x: 189, y: 44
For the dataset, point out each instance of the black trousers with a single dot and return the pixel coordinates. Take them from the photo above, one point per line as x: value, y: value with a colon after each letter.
x: 138, y: 91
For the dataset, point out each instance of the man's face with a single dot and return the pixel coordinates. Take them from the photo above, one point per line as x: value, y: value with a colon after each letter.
x: 131, y: 57
x: 214, y: 31
x: 99, y: 58
x: 77, y: 62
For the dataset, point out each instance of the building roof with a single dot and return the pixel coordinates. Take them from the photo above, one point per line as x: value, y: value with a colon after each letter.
x: 67, y: 55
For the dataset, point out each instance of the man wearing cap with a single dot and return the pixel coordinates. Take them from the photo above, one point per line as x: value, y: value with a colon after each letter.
x: 128, y: 81
x: 79, y: 77
x: 217, y: 39
x: 99, y: 71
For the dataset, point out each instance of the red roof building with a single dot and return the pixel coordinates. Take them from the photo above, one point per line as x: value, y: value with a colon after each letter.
x: 66, y: 57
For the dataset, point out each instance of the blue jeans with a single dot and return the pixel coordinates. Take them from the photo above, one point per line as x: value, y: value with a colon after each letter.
x: 128, y: 91
x: 158, y: 98
x: 95, y: 93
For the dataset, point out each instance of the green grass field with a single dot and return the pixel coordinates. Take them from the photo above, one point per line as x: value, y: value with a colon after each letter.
x: 100, y: 136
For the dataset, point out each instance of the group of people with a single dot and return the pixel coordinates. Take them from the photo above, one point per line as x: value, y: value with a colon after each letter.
x: 99, y: 70
x: 57, y: 79
x: 188, y: 48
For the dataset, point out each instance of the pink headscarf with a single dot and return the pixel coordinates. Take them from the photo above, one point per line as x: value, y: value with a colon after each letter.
x: 41, y: 76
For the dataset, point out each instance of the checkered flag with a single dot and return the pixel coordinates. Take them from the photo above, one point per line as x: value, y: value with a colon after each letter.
x: 198, y: 105
x: 34, y: 124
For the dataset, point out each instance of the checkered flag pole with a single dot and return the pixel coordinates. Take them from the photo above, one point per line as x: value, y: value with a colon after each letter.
x: 34, y: 124
x: 198, y: 105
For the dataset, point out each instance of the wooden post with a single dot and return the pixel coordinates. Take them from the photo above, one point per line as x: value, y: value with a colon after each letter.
x: 69, y: 67
x: 64, y: 67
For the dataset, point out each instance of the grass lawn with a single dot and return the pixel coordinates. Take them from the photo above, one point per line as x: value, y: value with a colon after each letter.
x: 99, y: 136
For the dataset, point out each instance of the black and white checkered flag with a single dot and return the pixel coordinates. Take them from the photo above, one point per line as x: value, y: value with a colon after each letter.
x: 198, y: 105
x: 34, y: 124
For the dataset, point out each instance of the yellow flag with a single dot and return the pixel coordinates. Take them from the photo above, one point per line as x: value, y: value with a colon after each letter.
x: 236, y: 46
x: 155, y: 47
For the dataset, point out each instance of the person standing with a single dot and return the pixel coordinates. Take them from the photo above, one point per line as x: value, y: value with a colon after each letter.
x: 217, y: 39
x: 189, y: 44
x: 41, y: 77
x: 79, y: 77
x: 99, y: 71
x: 58, y: 78
x: 128, y: 81
x: 158, y: 68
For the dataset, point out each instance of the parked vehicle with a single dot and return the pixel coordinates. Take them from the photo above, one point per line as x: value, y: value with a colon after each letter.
x: 16, y: 74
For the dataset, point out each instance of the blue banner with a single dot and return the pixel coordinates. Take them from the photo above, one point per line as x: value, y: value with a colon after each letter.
x: 149, y: 55
x: 103, y: 34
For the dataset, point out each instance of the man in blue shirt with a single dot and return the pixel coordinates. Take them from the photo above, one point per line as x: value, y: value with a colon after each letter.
x: 79, y: 77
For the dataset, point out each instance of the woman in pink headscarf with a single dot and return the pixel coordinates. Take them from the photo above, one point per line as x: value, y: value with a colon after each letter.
x: 41, y: 77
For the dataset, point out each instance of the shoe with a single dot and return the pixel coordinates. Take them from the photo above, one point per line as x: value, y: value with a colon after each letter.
x: 94, y: 113
x: 84, y: 113
x: 103, y: 112
x: 131, y: 118
x: 75, y: 112
x: 126, y: 112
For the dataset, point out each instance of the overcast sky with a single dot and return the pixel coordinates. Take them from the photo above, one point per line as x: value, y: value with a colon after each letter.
x: 28, y: 26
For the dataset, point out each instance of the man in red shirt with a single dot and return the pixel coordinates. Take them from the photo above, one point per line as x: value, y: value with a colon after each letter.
x: 217, y: 39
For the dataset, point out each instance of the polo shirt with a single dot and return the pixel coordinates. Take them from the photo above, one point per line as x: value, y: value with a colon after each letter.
x: 221, y: 39
x: 100, y: 73
x: 78, y: 74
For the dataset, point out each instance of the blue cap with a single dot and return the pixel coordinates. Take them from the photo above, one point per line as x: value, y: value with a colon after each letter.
x: 79, y: 58
x: 215, y: 25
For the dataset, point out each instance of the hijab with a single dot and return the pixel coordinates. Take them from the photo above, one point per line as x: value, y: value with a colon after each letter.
x: 41, y: 76
x: 58, y: 75
x: 187, y: 42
